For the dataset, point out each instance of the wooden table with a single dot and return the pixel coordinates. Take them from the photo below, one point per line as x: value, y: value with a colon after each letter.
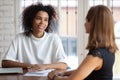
x: 20, y: 77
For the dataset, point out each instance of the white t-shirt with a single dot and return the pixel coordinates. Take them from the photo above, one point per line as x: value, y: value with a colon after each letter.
x: 45, y: 50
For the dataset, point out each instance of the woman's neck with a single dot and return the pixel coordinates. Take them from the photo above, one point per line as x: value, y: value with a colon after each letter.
x: 38, y: 35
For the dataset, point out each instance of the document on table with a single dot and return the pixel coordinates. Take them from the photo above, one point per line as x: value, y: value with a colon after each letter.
x: 39, y: 73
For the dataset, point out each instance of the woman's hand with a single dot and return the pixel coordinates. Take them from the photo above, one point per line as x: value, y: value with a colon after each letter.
x: 52, y: 75
x: 37, y: 67
x: 61, y: 78
x: 68, y: 73
x: 57, y: 75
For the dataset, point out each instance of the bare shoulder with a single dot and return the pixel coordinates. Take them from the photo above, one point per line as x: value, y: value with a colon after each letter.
x: 92, y: 62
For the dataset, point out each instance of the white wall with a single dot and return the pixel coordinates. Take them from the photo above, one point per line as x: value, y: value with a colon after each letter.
x: 9, y: 10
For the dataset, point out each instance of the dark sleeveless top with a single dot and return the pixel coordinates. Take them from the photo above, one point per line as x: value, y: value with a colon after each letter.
x: 105, y: 73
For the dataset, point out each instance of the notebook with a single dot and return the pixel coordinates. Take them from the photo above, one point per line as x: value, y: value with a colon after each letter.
x: 10, y: 70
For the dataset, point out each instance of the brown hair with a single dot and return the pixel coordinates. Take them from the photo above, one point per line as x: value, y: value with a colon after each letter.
x: 102, y: 28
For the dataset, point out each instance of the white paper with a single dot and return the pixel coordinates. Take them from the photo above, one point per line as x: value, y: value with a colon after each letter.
x: 39, y: 73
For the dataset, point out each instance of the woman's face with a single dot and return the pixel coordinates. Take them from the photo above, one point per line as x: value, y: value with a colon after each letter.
x: 40, y: 22
x: 87, y: 26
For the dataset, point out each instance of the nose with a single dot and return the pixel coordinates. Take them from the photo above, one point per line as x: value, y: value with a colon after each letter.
x: 42, y: 21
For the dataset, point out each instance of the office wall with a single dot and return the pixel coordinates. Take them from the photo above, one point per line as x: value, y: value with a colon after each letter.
x: 8, y: 23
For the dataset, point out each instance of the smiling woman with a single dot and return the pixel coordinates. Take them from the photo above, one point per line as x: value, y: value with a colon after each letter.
x: 67, y: 23
x: 37, y: 48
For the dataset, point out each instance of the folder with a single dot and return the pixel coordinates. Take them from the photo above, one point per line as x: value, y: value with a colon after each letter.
x: 10, y: 70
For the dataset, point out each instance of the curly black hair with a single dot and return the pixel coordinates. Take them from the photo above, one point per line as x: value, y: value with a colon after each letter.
x: 30, y: 12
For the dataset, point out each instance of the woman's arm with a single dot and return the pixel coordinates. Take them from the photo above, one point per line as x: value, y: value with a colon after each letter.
x: 89, y: 64
x: 9, y: 63
x: 34, y: 67
x: 58, y: 66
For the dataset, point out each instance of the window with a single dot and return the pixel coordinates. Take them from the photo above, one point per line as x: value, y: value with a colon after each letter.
x: 115, y: 6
